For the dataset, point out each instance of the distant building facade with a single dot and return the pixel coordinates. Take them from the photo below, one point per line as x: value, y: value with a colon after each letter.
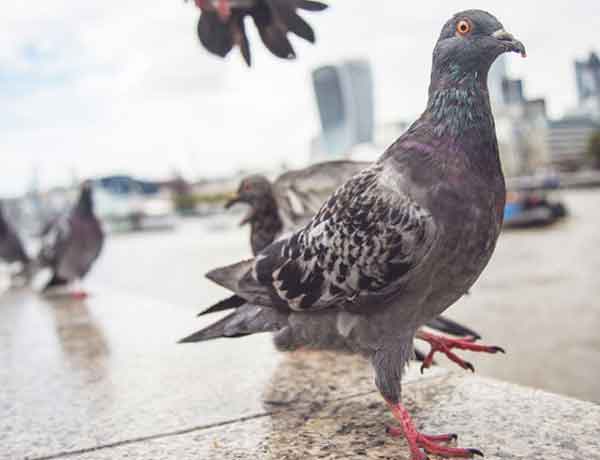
x: 345, y: 100
x: 521, y: 123
x: 569, y: 136
x: 587, y: 77
x: 568, y: 140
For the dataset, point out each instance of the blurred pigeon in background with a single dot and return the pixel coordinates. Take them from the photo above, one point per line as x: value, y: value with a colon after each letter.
x: 12, y: 250
x: 221, y: 25
x: 289, y: 202
x: 72, y: 243
x: 399, y: 242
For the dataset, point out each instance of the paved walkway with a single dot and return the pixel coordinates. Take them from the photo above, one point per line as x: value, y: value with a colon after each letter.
x: 103, y: 379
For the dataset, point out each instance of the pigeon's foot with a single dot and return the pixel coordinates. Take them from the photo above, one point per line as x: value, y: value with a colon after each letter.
x: 222, y: 7
x: 446, y: 344
x: 223, y: 10
x: 422, y: 444
x: 79, y: 295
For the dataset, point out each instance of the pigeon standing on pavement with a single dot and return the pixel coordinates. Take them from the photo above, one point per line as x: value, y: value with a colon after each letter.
x: 290, y: 201
x: 221, y: 25
x: 399, y: 242
x: 72, y: 243
x: 12, y: 250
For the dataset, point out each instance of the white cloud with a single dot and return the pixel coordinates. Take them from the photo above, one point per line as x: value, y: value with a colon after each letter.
x: 97, y: 86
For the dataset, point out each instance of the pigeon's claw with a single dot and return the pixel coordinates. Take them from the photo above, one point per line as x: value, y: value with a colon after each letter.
x: 446, y: 344
x: 79, y: 295
x: 422, y: 444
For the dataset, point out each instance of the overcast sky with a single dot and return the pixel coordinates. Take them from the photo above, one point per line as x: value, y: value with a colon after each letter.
x: 98, y: 87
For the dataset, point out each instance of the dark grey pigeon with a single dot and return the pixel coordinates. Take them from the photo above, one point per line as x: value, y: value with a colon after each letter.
x: 398, y: 243
x: 289, y: 202
x: 72, y: 243
x: 221, y: 25
x: 12, y: 250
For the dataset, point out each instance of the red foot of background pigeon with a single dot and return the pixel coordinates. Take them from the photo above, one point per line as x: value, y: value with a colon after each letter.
x: 79, y: 295
x: 446, y: 344
x: 429, y: 443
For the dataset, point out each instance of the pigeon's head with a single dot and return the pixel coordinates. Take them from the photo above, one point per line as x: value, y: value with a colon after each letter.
x: 470, y: 42
x: 85, y: 203
x: 254, y: 191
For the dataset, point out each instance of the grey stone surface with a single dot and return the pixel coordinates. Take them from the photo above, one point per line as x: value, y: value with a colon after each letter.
x: 506, y: 421
x: 77, y: 375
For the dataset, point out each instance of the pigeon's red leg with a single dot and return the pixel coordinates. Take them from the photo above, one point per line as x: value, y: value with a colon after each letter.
x: 446, y: 344
x: 78, y: 293
x: 428, y: 443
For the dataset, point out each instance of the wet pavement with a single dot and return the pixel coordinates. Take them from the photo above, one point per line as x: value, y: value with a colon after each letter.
x: 78, y: 375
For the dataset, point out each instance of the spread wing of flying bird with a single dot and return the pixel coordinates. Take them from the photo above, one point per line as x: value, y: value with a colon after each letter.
x: 222, y: 25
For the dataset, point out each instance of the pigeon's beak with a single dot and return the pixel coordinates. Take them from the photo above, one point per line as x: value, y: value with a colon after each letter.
x: 239, y: 199
x: 510, y: 42
x: 233, y: 200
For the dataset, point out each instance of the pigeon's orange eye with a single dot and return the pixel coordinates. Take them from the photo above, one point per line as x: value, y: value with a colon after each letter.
x: 463, y: 27
x: 247, y: 187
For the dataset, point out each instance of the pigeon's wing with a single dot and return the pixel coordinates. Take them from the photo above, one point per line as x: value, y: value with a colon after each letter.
x: 286, y: 15
x: 275, y: 18
x: 219, y: 37
x: 301, y: 193
x: 55, y: 241
x: 360, y: 250
x: 214, y: 35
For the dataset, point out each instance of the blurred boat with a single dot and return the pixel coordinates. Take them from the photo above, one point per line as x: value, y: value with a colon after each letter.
x: 526, y: 209
x: 127, y: 204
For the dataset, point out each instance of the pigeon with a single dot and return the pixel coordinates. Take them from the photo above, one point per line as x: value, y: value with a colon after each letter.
x: 221, y: 25
x: 290, y: 201
x: 72, y: 243
x: 12, y: 250
x: 399, y: 242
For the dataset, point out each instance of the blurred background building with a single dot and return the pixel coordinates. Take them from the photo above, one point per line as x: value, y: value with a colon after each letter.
x: 344, y: 95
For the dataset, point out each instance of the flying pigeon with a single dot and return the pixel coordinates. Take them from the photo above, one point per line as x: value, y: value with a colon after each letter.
x: 11, y: 247
x: 290, y: 201
x: 72, y: 243
x: 399, y: 242
x: 221, y: 25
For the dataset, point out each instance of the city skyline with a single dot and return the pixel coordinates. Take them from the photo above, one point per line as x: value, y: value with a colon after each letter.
x: 95, y: 89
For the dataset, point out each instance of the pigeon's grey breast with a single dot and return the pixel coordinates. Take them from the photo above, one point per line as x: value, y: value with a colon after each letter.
x: 462, y: 186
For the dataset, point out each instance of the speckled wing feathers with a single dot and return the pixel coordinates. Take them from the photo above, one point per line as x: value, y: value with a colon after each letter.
x: 301, y: 193
x: 363, y: 243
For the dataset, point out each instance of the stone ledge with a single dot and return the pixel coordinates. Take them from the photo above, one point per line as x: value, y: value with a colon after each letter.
x: 503, y: 420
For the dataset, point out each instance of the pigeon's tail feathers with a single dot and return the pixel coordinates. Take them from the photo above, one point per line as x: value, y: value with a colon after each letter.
x: 246, y: 320
x: 448, y: 326
x: 311, y: 5
x: 419, y: 355
x: 239, y: 279
x: 229, y: 303
x: 230, y: 275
